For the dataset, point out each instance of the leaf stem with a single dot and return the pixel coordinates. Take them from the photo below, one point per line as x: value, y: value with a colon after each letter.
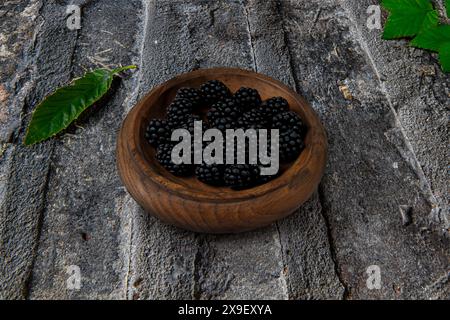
x: 118, y: 70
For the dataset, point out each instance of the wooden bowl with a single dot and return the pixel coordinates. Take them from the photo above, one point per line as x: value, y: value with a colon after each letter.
x: 190, y: 204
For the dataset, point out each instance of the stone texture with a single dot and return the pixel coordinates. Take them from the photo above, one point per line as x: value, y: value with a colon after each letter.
x: 308, y: 263
x: 27, y: 168
x: 83, y: 224
x: 418, y: 90
x: 371, y: 170
x: 382, y: 201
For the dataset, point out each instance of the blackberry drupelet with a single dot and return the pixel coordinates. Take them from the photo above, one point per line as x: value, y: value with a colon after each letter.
x: 291, y: 145
x: 253, y: 119
x: 189, y: 124
x: 157, y: 132
x: 164, y: 157
x: 210, y: 174
x: 179, y: 112
x: 224, y: 109
x: 288, y: 121
x: 223, y: 124
x: 241, y: 176
x: 264, y: 179
x: 275, y: 106
x: 191, y: 94
x: 186, y: 123
x: 214, y: 91
x: 247, y: 98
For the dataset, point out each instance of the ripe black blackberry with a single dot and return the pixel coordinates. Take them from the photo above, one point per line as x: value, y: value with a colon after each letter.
x: 266, y: 178
x: 224, y: 109
x: 191, y: 94
x: 164, y: 157
x: 179, y: 112
x: 275, y: 106
x: 253, y: 119
x: 290, y: 145
x: 247, y: 98
x: 210, y: 174
x: 214, y: 91
x: 241, y: 176
x: 157, y: 132
x: 187, y: 123
x: 288, y: 121
x: 223, y: 124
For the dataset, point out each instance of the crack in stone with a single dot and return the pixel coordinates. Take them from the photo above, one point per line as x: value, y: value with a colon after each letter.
x: 29, y: 280
x: 347, y: 293
x: 250, y: 37
x: 331, y: 246
x: 425, y: 184
x: 284, y: 275
x: 147, y: 8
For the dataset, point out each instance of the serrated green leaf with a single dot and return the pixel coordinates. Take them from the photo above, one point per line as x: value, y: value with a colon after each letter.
x: 408, y: 17
x: 66, y: 104
x: 432, y: 38
x: 444, y: 56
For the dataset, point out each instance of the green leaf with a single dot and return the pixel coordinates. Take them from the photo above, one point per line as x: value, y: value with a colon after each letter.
x: 444, y: 57
x: 66, y: 104
x: 433, y: 38
x: 436, y: 39
x: 408, y: 17
x: 399, y: 5
x: 447, y: 6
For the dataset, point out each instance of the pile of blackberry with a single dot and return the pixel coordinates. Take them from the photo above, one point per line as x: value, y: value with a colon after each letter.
x: 214, y: 103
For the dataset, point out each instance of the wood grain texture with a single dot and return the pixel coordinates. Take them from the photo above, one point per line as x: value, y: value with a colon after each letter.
x: 190, y: 204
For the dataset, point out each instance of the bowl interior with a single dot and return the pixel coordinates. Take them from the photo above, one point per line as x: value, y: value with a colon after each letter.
x: 155, y: 105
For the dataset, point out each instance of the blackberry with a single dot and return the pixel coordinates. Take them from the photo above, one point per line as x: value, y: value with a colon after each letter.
x: 247, y: 98
x: 288, y: 121
x: 214, y: 91
x: 179, y: 112
x: 210, y: 174
x: 253, y: 119
x: 264, y: 179
x: 275, y: 106
x: 157, y: 132
x: 191, y: 94
x: 224, y: 109
x: 186, y: 123
x: 241, y: 176
x: 223, y: 124
x: 164, y: 157
x: 291, y: 145
x: 236, y: 148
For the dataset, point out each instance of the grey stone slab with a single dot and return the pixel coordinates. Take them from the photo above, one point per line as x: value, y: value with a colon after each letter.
x: 83, y: 221
x: 33, y: 76
x: 382, y: 201
x: 419, y: 91
x: 309, y: 269
x: 370, y: 173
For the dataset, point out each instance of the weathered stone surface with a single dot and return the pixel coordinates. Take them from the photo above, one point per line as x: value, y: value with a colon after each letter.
x: 83, y: 224
x: 382, y: 201
x: 368, y: 176
x: 27, y: 168
x: 308, y: 266
x: 419, y: 91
